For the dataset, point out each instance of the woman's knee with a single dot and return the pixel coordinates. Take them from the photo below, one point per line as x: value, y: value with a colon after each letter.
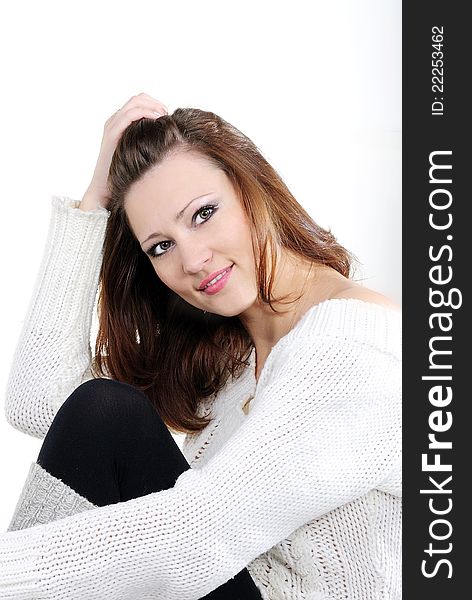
x: 110, y: 431
x: 101, y: 388
x: 104, y: 402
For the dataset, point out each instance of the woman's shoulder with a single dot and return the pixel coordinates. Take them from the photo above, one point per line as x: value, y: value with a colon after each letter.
x: 352, y: 315
x: 358, y: 292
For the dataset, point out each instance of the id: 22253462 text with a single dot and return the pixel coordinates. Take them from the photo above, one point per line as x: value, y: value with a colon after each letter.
x: 437, y: 72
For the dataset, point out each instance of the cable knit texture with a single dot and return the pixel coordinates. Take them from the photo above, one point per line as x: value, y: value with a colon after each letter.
x: 45, y: 498
x: 304, y: 490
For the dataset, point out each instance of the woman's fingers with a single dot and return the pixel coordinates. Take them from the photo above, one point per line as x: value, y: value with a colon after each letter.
x: 142, y: 102
x: 137, y: 107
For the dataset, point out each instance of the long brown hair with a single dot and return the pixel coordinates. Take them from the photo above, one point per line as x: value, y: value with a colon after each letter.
x: 148, y: 336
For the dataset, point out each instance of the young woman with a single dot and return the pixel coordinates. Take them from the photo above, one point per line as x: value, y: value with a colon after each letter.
x: 226, y: 313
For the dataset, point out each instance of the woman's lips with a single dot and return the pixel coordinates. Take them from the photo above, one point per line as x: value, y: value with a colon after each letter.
x: 220, y: 284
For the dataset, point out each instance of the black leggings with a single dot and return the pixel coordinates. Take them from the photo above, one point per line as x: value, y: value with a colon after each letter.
x: 108, y: 443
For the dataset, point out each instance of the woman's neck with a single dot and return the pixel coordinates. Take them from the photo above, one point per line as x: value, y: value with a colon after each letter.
x: 313, y: 283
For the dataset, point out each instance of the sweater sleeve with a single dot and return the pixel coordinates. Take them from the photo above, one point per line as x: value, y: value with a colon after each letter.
x: 323, y: 430
x: 53, y: 352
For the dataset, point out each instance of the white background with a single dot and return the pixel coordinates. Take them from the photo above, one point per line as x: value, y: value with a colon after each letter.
x: 315, y: 84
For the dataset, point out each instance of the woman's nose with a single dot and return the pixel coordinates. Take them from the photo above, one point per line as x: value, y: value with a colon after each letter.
x: 194, y: 259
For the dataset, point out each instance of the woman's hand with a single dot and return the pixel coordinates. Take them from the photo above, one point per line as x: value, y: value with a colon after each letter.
x: 137, y: 107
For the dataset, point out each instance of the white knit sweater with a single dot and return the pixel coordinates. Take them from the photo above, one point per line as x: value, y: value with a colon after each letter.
x: 305, y: 490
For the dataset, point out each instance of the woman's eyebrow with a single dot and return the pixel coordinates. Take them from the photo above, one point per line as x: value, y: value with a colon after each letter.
x: 178, y: 216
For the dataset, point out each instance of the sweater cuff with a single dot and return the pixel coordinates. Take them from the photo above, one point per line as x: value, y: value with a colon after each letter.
x: 65, y: 202
x: 20, y: 553
x: 45, y: 498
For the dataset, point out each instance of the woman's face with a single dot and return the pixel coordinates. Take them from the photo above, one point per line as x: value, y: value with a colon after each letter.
x: 189, y: 221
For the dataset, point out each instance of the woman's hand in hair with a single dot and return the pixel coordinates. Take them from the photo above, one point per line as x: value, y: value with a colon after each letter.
x: 136, y: 108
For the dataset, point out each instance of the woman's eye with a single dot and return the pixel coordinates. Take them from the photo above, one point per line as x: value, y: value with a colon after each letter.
x: 205, y: 212
x: 153, y: 250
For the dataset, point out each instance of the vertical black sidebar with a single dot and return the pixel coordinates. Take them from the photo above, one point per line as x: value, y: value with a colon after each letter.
x: 437, y: 256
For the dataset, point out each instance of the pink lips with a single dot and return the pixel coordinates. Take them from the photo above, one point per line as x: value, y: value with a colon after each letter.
x: 216, y: 287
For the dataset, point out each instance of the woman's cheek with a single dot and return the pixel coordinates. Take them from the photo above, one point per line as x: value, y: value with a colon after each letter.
x: 160, y: 274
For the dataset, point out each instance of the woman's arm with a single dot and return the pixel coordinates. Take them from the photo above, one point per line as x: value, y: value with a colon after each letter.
x: 53, y: 353
x: 315, y: 439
